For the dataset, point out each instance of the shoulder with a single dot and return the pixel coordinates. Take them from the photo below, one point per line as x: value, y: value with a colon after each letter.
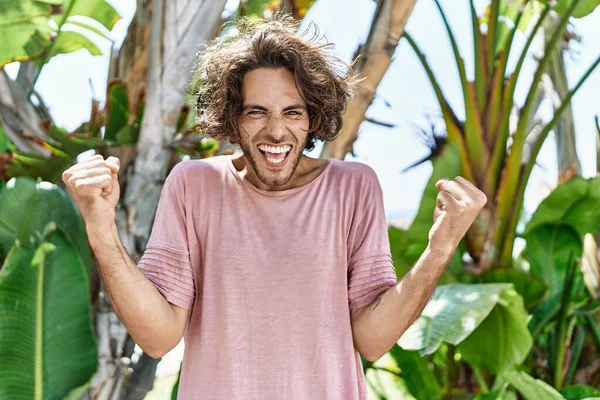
x: 356, y: 174
x: 194, y: 174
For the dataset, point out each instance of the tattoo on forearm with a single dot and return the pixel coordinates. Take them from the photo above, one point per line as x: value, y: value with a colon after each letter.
x: 376, y: 303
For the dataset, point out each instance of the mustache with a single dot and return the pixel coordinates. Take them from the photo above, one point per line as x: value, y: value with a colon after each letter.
x: 268, y: 139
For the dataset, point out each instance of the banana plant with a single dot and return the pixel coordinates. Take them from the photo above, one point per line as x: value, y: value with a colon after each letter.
x: 117, y: 124
x: 47, y: 345
x: 492, y: 154
x: 35, y: 29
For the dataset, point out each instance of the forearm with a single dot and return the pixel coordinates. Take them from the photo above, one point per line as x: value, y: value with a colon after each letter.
x: 378, y: 326
x: 148, y: 316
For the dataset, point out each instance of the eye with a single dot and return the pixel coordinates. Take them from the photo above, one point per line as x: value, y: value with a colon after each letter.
x: 255, y: 112
x: 294, y: 113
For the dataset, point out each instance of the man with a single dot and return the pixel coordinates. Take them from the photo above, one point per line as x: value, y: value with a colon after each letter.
x: 274, y: 266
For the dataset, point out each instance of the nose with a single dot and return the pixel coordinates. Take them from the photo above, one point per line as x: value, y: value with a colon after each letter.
x: 277, y: 127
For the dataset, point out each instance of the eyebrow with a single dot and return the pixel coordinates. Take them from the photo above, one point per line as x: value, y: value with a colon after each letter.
x: 262, y: 108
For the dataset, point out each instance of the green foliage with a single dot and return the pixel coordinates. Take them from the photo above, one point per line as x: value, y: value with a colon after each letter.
x: 417, y: 373
x: 549, y: 250
x: 27, y: 32
x: 502, y: 341
x: 531, y: 288
x: 117, y: 109
x: 580, y: 392
x: 4, y: 142
x: 574, y: 203
x: 47, y: 345
x: 584, y: 7
x: 531, y: 388
x: 455, y: 311
x: 407, y: 246
x: 27, y: 207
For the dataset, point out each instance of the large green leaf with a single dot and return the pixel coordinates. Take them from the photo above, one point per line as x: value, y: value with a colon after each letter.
x: 47, y: 346
x: 26, y: 207
x: 574, y: 203
x: 502, y: 341
x: 549, y: 250
x: 507, y: 16
x: 531, y: 288
x: 543, y: 313
x: 417, y: 374
x: 584, y: 8
x: 454, y: 312
x: 25, y: 31
x: 99, y: 10
x: 580, y: 392
x: 531, y: 388
x: 21, y: 42
x: 68, y: 42
x: 117, y: 110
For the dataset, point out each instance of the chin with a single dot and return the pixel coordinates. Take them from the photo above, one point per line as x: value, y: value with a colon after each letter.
x: 274, y: 180
x: 271, y: 173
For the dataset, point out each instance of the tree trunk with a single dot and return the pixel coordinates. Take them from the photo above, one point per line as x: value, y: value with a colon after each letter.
x: 376, y: 56
x: 564, y: 132
x: 156, y: 58
x: 21, y: 119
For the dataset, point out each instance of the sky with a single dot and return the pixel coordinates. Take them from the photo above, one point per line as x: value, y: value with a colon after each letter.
x: 69, y: 82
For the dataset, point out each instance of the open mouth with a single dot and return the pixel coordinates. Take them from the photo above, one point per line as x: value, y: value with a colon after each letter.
x: 275, y: 156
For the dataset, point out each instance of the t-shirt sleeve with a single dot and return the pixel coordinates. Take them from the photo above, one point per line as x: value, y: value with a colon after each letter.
x: 370, y: 270
x: 166, y: 259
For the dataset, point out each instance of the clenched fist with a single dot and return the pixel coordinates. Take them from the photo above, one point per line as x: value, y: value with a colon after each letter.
x: 458, y: 204
x: 93, y: 184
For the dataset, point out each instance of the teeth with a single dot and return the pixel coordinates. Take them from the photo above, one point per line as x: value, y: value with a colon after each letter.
x: 274, y: 161
x: 274, y: 149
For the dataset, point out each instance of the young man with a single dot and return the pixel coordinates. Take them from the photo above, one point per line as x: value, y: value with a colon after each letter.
x: 275, y: 266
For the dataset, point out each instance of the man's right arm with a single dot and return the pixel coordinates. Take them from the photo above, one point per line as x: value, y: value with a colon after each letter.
x: 155, y: 324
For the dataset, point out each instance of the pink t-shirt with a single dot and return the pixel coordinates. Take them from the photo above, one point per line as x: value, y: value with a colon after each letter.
x: 271, y: 279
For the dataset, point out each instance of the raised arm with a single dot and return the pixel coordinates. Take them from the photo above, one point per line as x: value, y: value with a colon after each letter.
x: 155, y: 324
x: 379, y: 325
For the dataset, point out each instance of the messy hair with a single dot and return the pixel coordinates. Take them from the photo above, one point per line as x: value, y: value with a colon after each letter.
x: 325, y: 82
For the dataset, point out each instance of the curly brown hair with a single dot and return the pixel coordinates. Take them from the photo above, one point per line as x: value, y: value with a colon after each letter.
x: 325, y: 82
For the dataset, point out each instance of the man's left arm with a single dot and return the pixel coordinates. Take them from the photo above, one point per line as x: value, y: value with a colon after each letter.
x: 378, y: 326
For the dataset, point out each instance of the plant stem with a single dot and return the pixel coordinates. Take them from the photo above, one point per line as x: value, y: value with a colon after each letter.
x: 561, y: 337
x: 480, y: 379
x: 594, y: 328
x: 575, y: 354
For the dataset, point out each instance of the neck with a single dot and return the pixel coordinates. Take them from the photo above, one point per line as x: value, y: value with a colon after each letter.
x: 307, y: 170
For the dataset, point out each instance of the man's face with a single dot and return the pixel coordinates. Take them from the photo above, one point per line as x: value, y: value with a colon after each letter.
x: 273, y: 125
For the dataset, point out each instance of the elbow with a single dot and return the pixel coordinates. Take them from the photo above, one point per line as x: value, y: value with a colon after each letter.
x: 156, y: 352
x: 372, y: 356
x: 373, y: 351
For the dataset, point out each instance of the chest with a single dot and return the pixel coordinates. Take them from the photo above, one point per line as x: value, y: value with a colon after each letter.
x: 298, y: 240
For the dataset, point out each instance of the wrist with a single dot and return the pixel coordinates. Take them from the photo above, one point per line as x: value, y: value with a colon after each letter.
x: 440, y: 253
x: 101, y: 233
